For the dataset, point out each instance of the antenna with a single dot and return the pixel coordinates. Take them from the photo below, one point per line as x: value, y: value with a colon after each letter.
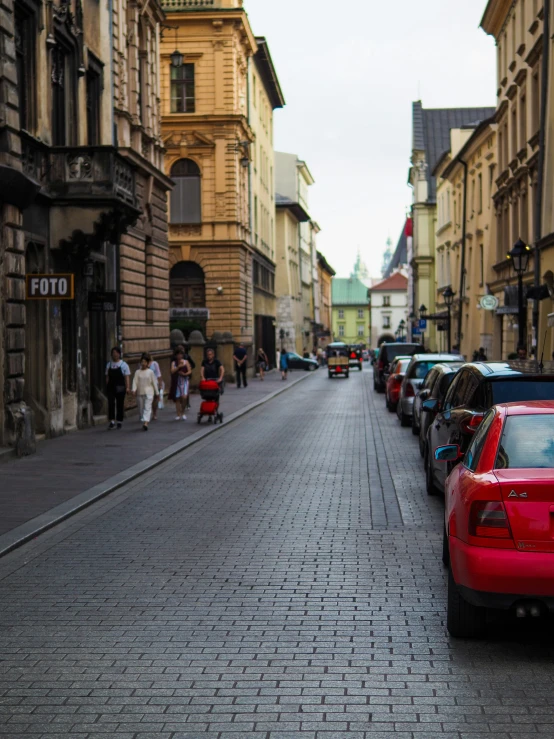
x: 541, y: 365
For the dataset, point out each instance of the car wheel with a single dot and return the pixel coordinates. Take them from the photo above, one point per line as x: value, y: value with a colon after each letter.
x: 445, y: 550
x: 330, y: 375
x: 405, y: 420
x: 463, y: 620
x: 360, y: 367
x: 415, y: 429
x: 312, y: 367
x: 421, y: 446
x: 429, y: 482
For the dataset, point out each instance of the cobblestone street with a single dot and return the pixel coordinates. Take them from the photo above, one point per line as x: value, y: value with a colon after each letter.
x: 280, y: 578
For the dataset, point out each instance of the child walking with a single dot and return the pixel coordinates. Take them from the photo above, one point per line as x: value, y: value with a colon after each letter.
x: 145, y: 388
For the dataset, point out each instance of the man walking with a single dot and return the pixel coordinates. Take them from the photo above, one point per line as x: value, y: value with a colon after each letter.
x: 240, y: 357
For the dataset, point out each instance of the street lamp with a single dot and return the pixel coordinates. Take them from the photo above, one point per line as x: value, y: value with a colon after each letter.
x: 422, y: 314
x: 519, y: 257
x: 448, y: 296
x: 401, y: 327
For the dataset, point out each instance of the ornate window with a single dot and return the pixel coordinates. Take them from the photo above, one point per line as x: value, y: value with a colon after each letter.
x: 64, y: 95
x: 182, y: 89
x: 94, y: 96
x: 185, y: 200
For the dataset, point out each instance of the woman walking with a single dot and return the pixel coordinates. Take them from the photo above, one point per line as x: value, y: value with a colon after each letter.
x: 145, y: 388
x: 118, y: 377
x: 180, y: 373
x: 262, y: 362
x: 155, y: 367
x: 284, y: 365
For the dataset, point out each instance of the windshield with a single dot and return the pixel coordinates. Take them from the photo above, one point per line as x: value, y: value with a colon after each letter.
x: 527, y: 442
x: 402, y: 365
x: 508, y: 391
x: 420, y: 369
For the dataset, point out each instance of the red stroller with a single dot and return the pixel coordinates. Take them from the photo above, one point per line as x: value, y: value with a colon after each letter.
x: 210, y: 392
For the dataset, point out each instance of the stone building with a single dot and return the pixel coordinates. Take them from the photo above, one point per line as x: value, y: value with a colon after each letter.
x: 430, y: 139
x: 218, y: 131
x: 517, y: 27
x: 83, y: 196
x: 476, y: 148
x: 324, y: 279
x: 389, y: 306
x: 296, y: 273
x: 350, y: 310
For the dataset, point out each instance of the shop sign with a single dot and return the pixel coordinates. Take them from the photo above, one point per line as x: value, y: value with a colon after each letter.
x: 201, y: 314
x: 489, y: 302
x: 102, y: 302
x: 43, y: 287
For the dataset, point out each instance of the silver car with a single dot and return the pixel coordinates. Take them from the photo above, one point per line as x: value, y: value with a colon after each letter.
x: 415, y: 374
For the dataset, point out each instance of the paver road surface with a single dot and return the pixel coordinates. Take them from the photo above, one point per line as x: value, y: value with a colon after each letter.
x: 281, y: 578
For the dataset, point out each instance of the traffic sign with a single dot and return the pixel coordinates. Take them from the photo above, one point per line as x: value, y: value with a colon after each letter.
x: 416, y: 331
x: 423, y: 324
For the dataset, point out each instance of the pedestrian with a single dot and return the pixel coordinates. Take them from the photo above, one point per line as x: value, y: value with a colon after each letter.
x: 211, y: 368
x: 521, y: 352
x: 481, y: 356
x: 284, y: 365
x: 262, y: 362
x: 145, y: 389
x: 118, y: 379
x: 240, y: 357
x: 180, y: 373
x: 155, y: 367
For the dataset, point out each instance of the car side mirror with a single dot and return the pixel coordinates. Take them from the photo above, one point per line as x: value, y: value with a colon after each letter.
x: 448, y: 453
x: 430, y: 406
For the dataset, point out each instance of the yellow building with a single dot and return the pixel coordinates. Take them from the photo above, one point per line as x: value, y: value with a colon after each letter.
x: 430, y: 139
x: 517, y: 29
x: 324, y: 279
x: 217, y: 112
x: 476, y: 148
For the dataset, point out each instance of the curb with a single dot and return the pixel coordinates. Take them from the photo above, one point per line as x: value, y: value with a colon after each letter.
x: 38, y: 525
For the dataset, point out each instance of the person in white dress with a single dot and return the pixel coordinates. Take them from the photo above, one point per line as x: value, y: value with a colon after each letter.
x: 145, y: 388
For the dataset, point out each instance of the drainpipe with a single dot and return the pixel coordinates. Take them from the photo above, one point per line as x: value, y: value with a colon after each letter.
x: 463, y: 259
x: 540, y: 168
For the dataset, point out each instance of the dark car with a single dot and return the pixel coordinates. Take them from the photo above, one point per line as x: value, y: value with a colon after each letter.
x: 295, y: 361
x: 435, y: 386
x: 355, y: 356
x: 476, y: 388
x: 387, y: 352
x: 415, y: 377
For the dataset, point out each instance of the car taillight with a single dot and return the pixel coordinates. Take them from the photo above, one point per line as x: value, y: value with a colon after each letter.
x: 338, y: 369
x: 409, y: 390
x: 489, y: 518
x: 398, y: 379
x: 353, y: 355
x: 470, y: 425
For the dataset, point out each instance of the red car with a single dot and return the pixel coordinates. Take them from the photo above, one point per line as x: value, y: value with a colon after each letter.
x: 499, y: 517
x: 394, y: 382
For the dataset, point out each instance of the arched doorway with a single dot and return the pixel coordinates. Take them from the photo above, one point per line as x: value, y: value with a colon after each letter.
x: 187, y: 289
x: 389, y: 338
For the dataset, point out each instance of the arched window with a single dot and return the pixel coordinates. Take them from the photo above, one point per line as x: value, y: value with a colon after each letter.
x: 185, y: 199
x: 187, y: 287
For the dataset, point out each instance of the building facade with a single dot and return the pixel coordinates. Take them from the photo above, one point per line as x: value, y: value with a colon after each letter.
x: 83, y: 205
x: 324, y: 279
x: 517, y: 28
x: 296, y: 271
x: 475, y: 246
x: 389, y: 306
x: 430, y: 139
x: 350, y: 310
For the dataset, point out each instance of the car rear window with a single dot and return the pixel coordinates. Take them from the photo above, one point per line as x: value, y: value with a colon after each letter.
x: 393, y: 350
x: 527, y: 442
x: 508, y: 391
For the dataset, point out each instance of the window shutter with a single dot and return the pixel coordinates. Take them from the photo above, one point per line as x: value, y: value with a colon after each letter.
x: 191, y: 200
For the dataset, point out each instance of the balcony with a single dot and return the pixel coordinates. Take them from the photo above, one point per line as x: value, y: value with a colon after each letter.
x: 191, y: 5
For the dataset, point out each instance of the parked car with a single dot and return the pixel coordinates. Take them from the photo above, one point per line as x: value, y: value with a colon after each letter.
x: 476, y: 388
x: 415, y: 375
x: 394, y: 381
x: 498, y: 516
x: 295, y: 361
x: 355, y: 356
x: 387, y: 352
x: 435, y: 386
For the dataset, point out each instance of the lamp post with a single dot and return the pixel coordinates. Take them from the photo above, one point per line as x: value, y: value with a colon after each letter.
x: 422, y: 314
x: 519, y: 257
x: 401, y: 327
x: 448, y: 296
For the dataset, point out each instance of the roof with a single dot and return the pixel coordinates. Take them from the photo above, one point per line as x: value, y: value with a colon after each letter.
x: 467, y: 146
x: 268, y: 74
x: 400, y: 255
x: 281, y: 201
x: 443, y: 357
x: 397, y: 281
x: 431, y: 132
x: 522, y: 407
x: 514, y: 370
x: 348, y: 291
x: 324, y: 264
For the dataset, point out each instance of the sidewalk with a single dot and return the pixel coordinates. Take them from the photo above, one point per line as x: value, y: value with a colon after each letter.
x: 64, y: 467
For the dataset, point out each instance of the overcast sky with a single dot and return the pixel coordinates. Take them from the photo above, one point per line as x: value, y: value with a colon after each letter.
x: 349, y: 72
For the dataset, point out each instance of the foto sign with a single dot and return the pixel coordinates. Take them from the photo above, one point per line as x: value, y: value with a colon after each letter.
x: 44, y: 287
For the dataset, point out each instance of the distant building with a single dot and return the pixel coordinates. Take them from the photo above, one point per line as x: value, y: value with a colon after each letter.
x: 389, y: 306
x: 350, y: 310
x: 325, y: 275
